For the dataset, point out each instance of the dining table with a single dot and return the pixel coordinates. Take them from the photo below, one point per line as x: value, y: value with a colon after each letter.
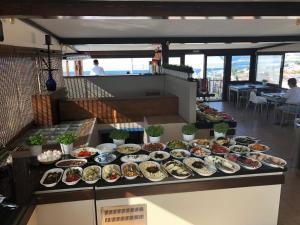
x: 238, y: 88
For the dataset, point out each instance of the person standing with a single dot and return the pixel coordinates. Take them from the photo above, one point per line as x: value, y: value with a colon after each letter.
x: 96, y: 70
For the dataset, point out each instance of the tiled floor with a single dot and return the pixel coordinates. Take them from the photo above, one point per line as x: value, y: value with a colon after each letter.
x: 283, y: 141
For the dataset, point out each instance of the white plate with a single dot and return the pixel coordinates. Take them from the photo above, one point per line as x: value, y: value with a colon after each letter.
x: 245, y: 165
x: 76, y: 151
x: 111, y: 167
x: 231, y: 142
x: 215, y: 160
x: 173, y: 152
x: 184, y: 142
x: 247, y: 150
x: 166, y: 155
x: 132, y: 177
x: 194, y: 142
x: 106, y: 147
x: 267, y: 163
x: 267, y: 148
x: 67, y: 160
x: 160, y: 175
x: 211, y: 169
x: 135, y: 147
x: 200, y: 147
x: 239, y: 143
x: 135, y: 158
x: 180, y: 164
x: 163, y: 146
x: 57, y: 170
x: 93, y: 181
x: 65, y: 176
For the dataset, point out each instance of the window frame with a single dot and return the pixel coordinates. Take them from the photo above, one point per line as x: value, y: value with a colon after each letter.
x: 281, y: 66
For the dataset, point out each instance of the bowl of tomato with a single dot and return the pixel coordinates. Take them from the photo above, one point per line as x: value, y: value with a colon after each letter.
x: 83, y: 153
x: 72, y: 175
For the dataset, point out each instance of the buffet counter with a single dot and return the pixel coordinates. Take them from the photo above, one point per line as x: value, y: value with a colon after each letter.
x: 184, y: 202
x: 247, y: 193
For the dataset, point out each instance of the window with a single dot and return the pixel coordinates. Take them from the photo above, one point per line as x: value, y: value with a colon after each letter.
x: 214, y: 74
x: 140, y: 65
x: 174, y: 61
x: 240, y: 67
x: 268, y: 68
x: 111, y: 66
x: 195, y: 61
x: 291, y: 68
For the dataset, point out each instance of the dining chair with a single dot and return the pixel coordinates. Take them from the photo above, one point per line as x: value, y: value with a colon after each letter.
x: 257, y: 101
x: 243, y: 98
x: 289, y: 110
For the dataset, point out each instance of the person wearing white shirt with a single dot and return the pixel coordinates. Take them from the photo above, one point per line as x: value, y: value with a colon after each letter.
x: 96, y: 70
x: 292, y: 96
x: 292, y: 100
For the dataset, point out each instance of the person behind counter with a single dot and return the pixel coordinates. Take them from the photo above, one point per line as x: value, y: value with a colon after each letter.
x: 97, y: 70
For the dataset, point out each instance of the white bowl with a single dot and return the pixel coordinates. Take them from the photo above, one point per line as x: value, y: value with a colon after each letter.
x: 133, y: 177
x: 107, y: 147
x: 93, y: 181
x: 65, y: 176
x: 51, y: 171
x: 105, y: 168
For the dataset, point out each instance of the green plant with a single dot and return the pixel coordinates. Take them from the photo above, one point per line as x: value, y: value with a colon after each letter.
x: 185, y: 69
x: 188, y: 129
x: 119, y: 134
x: 36, y: 139
x: 66, y: 138
x: 221, y: 127
x: 155, y: 131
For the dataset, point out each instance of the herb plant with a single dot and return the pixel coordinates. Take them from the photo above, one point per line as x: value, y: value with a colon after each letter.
x: 221, y: 127
x: 189, y: 129
x: 119, y: 134
x: 66, y: 138
x: 155, y: 131
x: 36, y: 139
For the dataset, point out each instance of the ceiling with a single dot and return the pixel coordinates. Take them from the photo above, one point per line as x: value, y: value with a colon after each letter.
x: 116, y: 27
x: 112, y: 28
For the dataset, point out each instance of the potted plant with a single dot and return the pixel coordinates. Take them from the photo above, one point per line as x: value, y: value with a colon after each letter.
x: 35, y: 143
x: 119, y: 136
x: 154, y: 132
x: 264, y: 82
x: 220, y: 129
x: 66, y: 141
x: 188, y: 132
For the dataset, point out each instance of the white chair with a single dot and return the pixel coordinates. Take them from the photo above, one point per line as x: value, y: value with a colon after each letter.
x: 257, y: 101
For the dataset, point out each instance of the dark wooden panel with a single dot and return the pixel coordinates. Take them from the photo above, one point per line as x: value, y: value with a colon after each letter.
x: 50, y: 8
x: 128, y: 192
x: 113, y: 110
x: 45, y: 107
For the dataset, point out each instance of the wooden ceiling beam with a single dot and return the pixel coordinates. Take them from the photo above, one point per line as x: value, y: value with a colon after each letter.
x: 157, y: 40
x: 77, y: 8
